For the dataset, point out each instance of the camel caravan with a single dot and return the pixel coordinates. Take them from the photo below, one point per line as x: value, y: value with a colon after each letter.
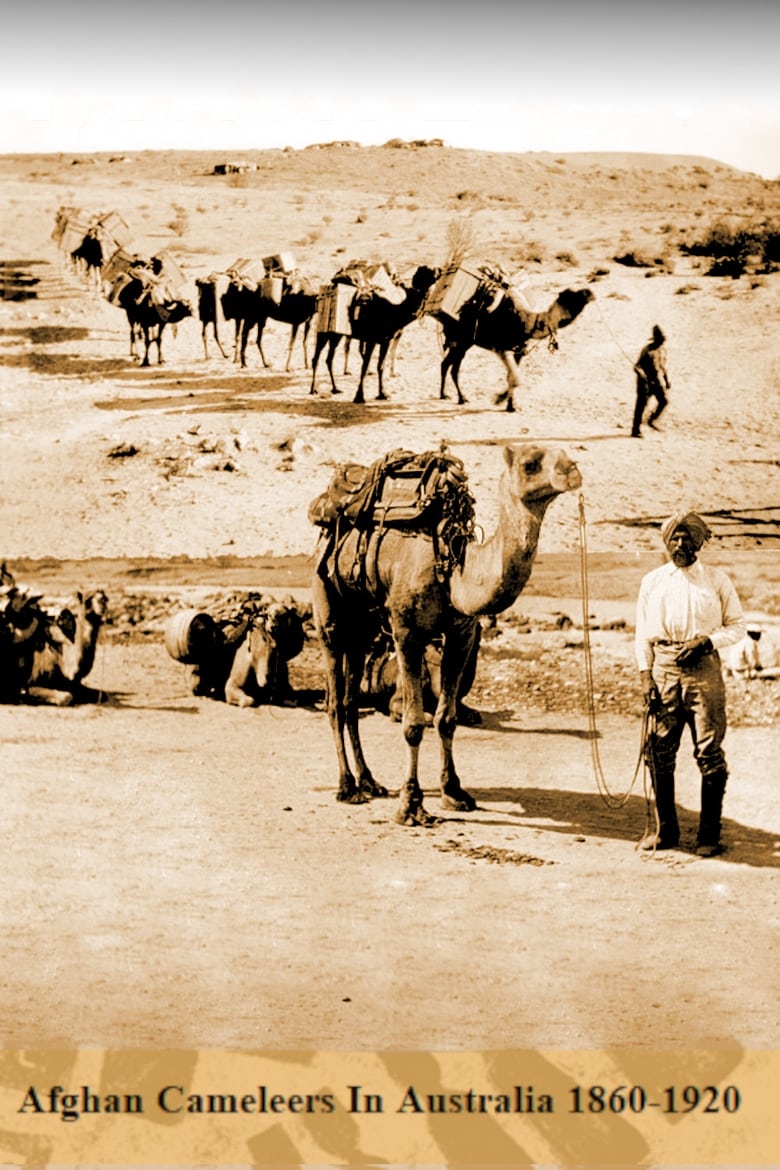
x: 474, y: 304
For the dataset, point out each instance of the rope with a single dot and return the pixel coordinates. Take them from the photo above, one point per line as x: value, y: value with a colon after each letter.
x: 611, y: 799
x: 612, y: 335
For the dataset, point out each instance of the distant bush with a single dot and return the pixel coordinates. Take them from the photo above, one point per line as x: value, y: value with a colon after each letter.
x: 180, y: 223
x: 737, y: 247
x: 634, y: 259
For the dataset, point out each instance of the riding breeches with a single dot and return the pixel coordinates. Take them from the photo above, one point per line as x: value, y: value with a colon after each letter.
x: 694, y: 697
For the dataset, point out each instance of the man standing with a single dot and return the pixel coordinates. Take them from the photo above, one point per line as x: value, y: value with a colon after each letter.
x: 686, y: 612
x: 652, y: 381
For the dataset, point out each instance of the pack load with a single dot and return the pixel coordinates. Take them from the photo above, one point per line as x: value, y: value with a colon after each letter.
x: 457, y: 286
x: 427, y: 491
x: 246, y: 273
x: 451, y: 291
x: 281, y: 263
x: 113, y: 227
x: 334, y: 301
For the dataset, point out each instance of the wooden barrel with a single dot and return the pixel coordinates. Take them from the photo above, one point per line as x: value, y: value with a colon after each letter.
x: 190, y: 635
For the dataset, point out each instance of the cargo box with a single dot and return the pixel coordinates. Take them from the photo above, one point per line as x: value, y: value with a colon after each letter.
x: 118, y: 283
x: 383, y: 284
x: 271, y: 288
x: 116, y: 228
x: 117, y: 264
x: 333, y: 304
x: 451, y: 291
x: 73, y: 234
x: 282, y: 262
x: 247, y: 273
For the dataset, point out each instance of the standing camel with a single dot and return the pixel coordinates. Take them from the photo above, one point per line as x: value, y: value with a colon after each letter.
x: 148, y: 308
x: 375, y: 323
x: 505, y: 328
x: 296, y: 307
x: 361, y: 569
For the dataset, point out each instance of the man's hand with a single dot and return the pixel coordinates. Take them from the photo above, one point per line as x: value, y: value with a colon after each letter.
x: 693, y: 650
x: 650, y: 692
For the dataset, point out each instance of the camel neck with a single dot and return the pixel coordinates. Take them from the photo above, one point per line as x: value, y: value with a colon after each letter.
x: 495, y: 571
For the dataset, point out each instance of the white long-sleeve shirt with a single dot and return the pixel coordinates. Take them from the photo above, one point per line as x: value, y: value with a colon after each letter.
x: 676, y: 604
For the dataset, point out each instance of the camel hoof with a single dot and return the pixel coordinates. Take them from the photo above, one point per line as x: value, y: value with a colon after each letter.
x: 383, y: 397
x: 418, y: 816
x: 510, y: 405
x: 372, y: 790
x: 463, y: 802
x: 352, y: 798
x: 462, y: 399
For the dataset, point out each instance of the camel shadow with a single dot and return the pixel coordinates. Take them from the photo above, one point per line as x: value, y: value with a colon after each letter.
x: 493, y: 721
x: 63, y: 365
x: 47, y: 334
x: 584, y: 814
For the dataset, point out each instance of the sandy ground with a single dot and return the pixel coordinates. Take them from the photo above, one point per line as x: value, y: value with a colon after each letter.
x: 178, y: 873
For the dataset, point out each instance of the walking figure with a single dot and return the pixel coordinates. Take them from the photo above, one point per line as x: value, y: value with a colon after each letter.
x: 652, y: 381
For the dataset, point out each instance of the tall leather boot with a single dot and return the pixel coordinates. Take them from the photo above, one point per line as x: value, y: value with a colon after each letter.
x: 668, y: 834
x: 713, y: 785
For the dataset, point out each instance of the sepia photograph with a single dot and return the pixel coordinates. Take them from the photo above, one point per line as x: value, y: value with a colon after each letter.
x: 390, y: 576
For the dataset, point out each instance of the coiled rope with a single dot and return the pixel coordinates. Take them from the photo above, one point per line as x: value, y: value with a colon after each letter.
x: 611, y: 799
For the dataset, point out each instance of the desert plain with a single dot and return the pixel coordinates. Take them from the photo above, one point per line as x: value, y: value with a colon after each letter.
x: 178, y: 873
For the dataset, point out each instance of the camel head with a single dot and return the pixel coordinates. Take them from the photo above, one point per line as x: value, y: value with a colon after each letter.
x: 424, y: 278
x: 570, y: 303
x: 96, y: 605
x: 536, y: 475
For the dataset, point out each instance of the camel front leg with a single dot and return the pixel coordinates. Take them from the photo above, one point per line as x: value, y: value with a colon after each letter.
x: 456, y: 654
x: 410, y: 656
x: 235, y: 686
x: 380, y: 369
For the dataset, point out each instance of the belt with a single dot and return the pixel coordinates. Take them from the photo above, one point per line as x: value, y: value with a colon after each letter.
x: 668, y: 642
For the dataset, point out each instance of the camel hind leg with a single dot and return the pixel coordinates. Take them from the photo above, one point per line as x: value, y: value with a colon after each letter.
x: 456, y: 655
x: 451, y: 363
x: 342, y: 673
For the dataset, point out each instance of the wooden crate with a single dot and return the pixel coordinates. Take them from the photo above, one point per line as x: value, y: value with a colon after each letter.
x: 247, y: 273
x: 271, y: 288
x: 116, y: 228
x: 451, y: 292
x: 383, y: 284
x: 282, y: 262
x: 333, y: 304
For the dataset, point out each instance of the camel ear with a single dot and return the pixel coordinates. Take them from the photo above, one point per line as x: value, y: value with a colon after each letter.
x: 509, y: 456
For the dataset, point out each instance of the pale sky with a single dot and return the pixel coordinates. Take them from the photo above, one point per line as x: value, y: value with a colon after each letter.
x: 681, y: 78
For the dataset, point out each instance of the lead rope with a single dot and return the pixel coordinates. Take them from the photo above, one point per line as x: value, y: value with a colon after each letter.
x: 610, y: 799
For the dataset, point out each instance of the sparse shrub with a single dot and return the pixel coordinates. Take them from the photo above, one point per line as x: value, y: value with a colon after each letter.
x: 180, y: 223
x: 684, y: 289
x: 737, y: 246
x: 460, y: 240
x: 567, y: 258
